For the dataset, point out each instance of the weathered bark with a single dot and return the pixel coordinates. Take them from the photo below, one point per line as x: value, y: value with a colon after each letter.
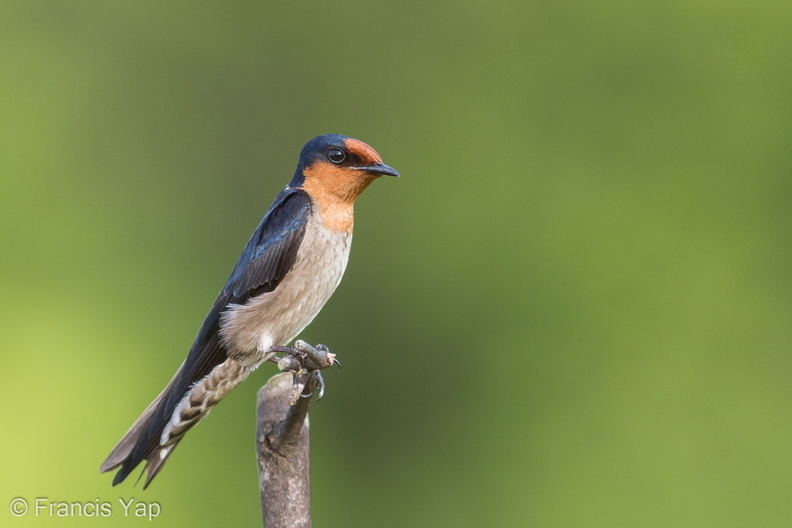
x: 282, y: 443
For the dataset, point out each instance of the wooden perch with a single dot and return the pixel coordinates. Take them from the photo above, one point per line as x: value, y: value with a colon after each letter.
x: 283, y: 449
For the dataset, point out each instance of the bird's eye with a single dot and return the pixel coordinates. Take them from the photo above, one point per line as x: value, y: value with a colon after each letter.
x: 336, y: 155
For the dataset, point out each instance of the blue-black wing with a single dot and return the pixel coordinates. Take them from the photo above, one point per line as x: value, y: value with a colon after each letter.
x: 266, y: 260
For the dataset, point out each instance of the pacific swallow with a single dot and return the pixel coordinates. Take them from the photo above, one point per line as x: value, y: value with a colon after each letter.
x: 288, y: 270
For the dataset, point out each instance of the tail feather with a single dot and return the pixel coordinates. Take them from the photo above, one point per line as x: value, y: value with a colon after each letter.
x: 154, y: 463
x: 122, y: 453
x: 157, y: 432
x: 157, y: 460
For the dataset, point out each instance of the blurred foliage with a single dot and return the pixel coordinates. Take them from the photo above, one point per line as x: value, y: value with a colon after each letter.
x: 573, y: 309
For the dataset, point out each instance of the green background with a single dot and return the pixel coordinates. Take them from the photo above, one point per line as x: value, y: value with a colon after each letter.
x: 573, y: 309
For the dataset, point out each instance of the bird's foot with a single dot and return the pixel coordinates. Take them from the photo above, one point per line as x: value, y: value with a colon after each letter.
x: 304, y: 362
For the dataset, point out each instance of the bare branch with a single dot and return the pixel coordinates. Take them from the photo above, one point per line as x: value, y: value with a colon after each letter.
x: 283, y: 446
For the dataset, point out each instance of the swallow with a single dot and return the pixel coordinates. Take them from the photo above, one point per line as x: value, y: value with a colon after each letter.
x: 288, y: 270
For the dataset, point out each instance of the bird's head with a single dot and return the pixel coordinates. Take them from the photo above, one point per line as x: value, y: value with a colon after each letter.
x: 336, y: 167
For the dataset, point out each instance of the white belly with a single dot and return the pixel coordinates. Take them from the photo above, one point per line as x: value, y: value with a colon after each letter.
x: 277, y: 317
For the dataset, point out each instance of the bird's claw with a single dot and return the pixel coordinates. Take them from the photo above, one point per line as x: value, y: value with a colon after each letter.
x: 307, y: 378
x: 304, y: 362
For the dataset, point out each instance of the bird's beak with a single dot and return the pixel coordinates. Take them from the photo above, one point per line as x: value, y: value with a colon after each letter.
x: 380, y: 168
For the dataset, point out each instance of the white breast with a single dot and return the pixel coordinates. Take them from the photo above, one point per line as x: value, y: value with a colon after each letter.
x: 277, y: 317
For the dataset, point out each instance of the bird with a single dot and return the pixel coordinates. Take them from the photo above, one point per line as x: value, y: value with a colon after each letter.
x: 288, y: 270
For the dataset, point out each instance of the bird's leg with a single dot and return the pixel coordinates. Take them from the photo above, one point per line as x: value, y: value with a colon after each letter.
x: 304, y: 355
x: 304, y: 362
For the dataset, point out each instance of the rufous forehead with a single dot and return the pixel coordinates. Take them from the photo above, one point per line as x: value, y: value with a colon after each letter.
x: 362, y: 150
